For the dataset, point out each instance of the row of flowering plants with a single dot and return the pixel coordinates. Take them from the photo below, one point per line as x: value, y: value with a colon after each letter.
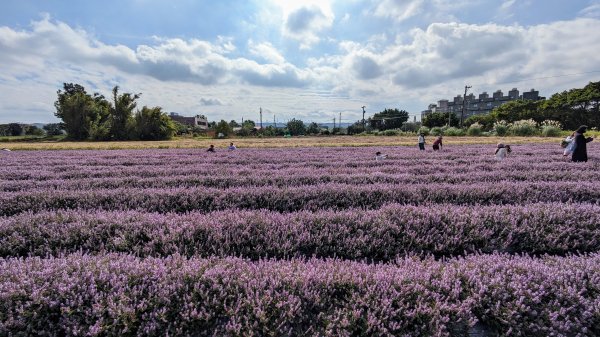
x: 375, y: 235
x: 123, y: 295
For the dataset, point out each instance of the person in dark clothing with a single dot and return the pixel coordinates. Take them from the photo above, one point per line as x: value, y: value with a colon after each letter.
x: 437, y: 144
x: 211, y: 148
x: 580, y: 152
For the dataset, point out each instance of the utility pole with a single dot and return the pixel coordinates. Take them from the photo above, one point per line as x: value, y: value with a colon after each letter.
x: 340, y: 120
x: 363, y: 107
x: 462, y: 113
x: 274, y: 121
x: 334, y: 123
x: 261, y: 118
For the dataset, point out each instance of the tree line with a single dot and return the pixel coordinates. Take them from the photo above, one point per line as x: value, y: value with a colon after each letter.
x: 571, y: 108
x: 93, y: 117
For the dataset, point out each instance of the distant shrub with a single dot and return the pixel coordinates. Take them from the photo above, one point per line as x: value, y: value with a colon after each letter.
x: 436, y: 131
x: 525, y: 127
x: 475, y: 129
x: 452, y: 131
x: 424, y: 130
x: 390, y: 133
x: 551, y: 128
x: 500, y: 128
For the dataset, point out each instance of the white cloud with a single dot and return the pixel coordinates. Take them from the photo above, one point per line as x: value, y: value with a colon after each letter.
x: 591, y: 11
x: 266, y: 51
x: 399, y: 9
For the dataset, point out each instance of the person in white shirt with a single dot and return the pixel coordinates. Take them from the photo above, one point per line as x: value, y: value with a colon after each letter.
x: 379, y: 156
x: 502, y: 151
x: 422, y: 142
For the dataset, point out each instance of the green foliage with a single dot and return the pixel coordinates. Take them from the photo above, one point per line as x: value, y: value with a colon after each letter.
x: 436, y: 131
x: 153, y: 124
x: 410, y: 126
x: 224, y: 128
x: 313, y: 129
x: 121, y: 114
x: 452, y: 131
x: 526, y: 127
x: 296, y: 127
x: 356, y: 128
x: 485, y: 120
x: 388, y: 119
x: 424, y: 130
x: 54, y: 129
x: 234, y: 124
x: 248, y: 124
x: 475, y: 129
x: 14, y: 129
x: 33, y: 130
x: 500, y: 128
x: 79, y: 111
x: 518, y: 110
x: 440, y: 119
x: 551, y: 128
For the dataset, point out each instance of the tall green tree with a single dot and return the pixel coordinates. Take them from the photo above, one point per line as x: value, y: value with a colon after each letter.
x: 79, y: 111
x: 296, y: 127
x: 388, y: 119
x: 440, y: 119
x: 153, y: 124
x: 224, y: 128
x: 121, y: 114
x: 313, y: 129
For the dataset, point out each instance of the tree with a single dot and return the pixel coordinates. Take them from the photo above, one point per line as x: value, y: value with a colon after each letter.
x: 54, y: 129
x: 574, y: 107
x: 15, y: 129
x: 153, y: 124
x: 486, y: 120
x: 248, y: 124
x: 313, y: 129
x: 234, y: 124
x: 518, y: 110
x: 33, y: 130
x: 296, y: 127
x: 224, y: 128
x: 439, y: 119
x: 79, y: 111
x: 356, y: 128
x: 121, y: 114
x: 388, y: 119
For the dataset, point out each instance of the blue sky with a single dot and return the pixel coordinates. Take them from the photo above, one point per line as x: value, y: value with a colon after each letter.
x: 309, y: 59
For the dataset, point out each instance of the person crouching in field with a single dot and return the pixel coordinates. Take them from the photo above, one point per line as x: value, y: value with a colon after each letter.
x: 211, y: 148
x: 502, y: 151
x: 379, y: 156
x: 580, y: 152
x: 437, y: 144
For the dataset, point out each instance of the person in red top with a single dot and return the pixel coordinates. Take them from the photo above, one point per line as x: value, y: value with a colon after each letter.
x: 437, y: 144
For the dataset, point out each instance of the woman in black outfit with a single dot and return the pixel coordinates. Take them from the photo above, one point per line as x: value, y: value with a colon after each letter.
x: 580, y: 153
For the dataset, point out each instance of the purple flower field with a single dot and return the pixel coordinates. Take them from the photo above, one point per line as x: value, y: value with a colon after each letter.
x: 300, y: 242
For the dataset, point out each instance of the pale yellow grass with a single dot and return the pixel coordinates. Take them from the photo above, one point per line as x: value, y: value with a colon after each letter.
x: 270, y: 142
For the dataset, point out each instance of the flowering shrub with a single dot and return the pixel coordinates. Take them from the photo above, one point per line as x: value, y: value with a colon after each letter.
x: 551, y: 128
x: 501, y: 128
x: 525, y: 127
x: 475, y: 129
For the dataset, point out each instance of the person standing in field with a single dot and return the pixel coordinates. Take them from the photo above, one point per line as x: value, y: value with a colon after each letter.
x: 422, y: 141
x: 437, y: 144
x: 580, y: 152
x: 502, y: 151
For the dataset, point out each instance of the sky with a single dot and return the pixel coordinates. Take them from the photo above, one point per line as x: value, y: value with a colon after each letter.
x: 311, y: 60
